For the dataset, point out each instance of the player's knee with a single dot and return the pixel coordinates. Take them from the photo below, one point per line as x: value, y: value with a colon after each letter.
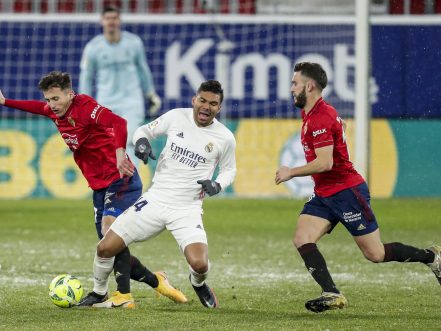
x: 296, y: 242
x: 199, y: 265
x: 374, y: 256
x: 104, y: 250
x: 300, y: 239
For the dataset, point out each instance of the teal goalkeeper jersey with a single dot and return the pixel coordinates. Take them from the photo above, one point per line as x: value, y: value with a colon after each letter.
x: 120, y: 70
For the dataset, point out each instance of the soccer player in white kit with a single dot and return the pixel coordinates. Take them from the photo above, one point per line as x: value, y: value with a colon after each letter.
x: 196, y: 144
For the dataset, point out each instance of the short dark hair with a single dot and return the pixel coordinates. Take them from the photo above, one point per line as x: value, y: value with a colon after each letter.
x: 55, y: 79
x: 313, y: 71
x: 212, y: 86
x: 110, y: 9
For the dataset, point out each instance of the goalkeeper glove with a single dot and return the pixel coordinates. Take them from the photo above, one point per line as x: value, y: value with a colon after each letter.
x: 154, y: 103
x: 143, y: 150
x: 210, y: 186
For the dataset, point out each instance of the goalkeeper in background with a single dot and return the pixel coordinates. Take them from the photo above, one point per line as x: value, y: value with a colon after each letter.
x: 97, y: 140
x: 123, y: 78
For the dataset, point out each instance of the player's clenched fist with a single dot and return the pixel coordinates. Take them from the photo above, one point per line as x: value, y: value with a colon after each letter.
x: 210, y: 186
x: 143, y: 150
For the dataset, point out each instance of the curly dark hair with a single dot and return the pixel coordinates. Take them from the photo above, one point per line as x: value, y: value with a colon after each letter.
x: 55, y: 79
x: 313, y: 71
x: 212, y: 86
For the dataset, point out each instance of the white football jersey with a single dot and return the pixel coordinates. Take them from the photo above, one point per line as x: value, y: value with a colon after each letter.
x: 190, y: 154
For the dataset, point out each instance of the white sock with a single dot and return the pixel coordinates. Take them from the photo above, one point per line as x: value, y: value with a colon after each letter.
x: 198, y: 279
x: 102, y: 267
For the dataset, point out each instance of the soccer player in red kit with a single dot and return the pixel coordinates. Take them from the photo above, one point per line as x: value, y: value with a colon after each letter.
x: 340, y: 193
x: 97, y: 139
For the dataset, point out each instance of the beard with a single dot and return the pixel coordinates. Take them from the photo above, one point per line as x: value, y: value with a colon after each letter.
x: 300, y: 100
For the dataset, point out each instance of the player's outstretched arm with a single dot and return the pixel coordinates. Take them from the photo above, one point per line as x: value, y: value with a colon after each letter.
x: 31, y: 106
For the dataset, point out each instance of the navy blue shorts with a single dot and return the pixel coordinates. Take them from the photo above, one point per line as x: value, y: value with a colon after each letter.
x: 351, y: 207
x: 116, y: 198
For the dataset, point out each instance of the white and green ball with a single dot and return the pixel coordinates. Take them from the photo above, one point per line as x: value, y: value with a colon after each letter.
x: 65, y: 291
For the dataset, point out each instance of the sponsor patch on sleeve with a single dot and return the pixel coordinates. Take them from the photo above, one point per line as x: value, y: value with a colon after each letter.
x: 153, y: 124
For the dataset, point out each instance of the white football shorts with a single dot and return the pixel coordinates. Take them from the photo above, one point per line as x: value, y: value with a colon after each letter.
x: 145, y: 220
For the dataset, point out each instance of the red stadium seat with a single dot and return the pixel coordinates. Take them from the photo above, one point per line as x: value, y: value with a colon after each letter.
x: 247, y: 7
x: 133, y: 6
x: 396, y: 7
x: 244, y: 7
x: 152, y: 6
x: 66, y: 6
x: 116, y: 3
x: 88, y: 6
x: 179, y: 6
x: 156, y: 6
x: 437, y: 7
x: 22, y: 6
x: 417, y: 7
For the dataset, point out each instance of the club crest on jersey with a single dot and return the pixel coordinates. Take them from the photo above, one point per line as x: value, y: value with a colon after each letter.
x: 71, y: 121
x: 209, y: 147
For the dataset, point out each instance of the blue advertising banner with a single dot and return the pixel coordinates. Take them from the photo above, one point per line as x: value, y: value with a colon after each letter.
x: 254, y: 62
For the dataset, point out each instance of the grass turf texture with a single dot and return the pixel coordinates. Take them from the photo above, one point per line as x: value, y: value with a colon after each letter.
x: 259, y: 278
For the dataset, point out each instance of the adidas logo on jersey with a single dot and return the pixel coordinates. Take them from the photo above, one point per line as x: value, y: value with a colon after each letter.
x: 180, y: 135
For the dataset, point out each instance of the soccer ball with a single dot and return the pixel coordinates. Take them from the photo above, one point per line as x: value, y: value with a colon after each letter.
x: 65, y: 291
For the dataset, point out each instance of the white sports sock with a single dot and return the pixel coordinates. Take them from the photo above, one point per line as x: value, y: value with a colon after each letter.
x: 102, y: 267
x: 198, y: 279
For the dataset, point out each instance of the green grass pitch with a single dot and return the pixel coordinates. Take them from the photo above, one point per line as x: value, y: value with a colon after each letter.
x: 259, y: 278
